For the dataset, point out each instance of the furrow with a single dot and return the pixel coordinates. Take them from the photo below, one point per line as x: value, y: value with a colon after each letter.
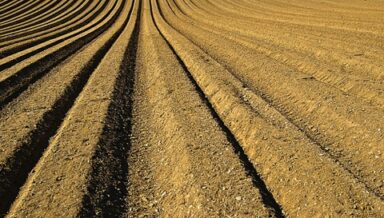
x: 372, y: 30
x: 37, y: 113
x: 191, y: 108
x: 316, y: 42
x: 308, y: 67
x: 23, y: 10
x: 71, y: 23
x: 272, y: 149
x: 96, y: 118
x: 39, y: 18
x: 65, y: 16
x: 15, y: 7
x: 59, y: 16
x: 5, y: 4
x: 290, y: 31
x: 17, y: 78
x: 41, y: 9
x: 178, y: 147
x: 302, y: 102
x: 107, y: 185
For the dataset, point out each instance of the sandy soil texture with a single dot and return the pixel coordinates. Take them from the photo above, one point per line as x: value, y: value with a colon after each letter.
x: 191, y: 108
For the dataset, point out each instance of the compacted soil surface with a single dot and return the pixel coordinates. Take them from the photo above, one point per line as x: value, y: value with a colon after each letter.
x: 191, y: 108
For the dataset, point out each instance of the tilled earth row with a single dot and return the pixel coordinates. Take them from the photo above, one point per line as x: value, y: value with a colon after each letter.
x: 186, y: 108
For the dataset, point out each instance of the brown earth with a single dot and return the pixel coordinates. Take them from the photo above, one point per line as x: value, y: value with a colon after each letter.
x: 192, y: 108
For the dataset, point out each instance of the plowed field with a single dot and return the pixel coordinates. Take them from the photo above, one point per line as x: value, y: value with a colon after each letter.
x: 191, y: 108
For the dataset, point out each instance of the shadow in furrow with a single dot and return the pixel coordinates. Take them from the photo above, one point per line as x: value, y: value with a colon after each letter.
x: 16, y: 84
x: 320, y: 140
x: 45, y: 29
x: 45, y: 12
x: 14, y: 175
x: 73, y: 19
x: 107, y: 190
x: 267, y: 196
x: 22, y: 11
x: 4, y: 3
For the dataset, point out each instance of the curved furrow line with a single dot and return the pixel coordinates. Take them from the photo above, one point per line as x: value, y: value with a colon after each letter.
x: 186, y: 149
x: 312, y: 16
x: 276, y: 5
x: 222, y: 53
x: 56, y: 16
x: 375, y: 30
x: 52, y: 97
x: 14, y: 6
x: 292, y: 29
x: 268, y: 9
x: 315, y: 6
x: 301, y: 101
x: 334, y: 36
x: 322, y: 73
x: 345, y: 55
x: 71, y: 23
x: 87, y: 22
x: 255, y: 134
x: 35, y: 64
x: 6, y: 3
x: 191, y: 108
x: 32, y: 23
x: 32, y: 6
x: 356, y: 5
x: 38, y: 11
x: 299, y: 11
x: 93, y: 111
x: 23, y: 48
x: 309, y: 68
x: 290, y: 34
x: 30, y: 20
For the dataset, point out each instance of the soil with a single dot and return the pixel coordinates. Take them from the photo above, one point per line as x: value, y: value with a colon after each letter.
x: 192, y: 108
